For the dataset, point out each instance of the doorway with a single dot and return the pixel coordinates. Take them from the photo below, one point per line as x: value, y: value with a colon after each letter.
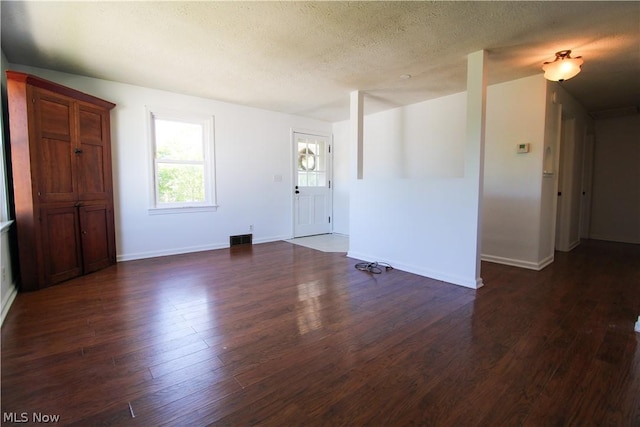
x: 587, y: 179
x: 570, y: 183
x: 312, y: 198
x: 562, y: 207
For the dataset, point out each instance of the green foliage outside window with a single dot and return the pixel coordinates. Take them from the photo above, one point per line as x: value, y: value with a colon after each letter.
x: 180, y: 183
x: 180, y: 162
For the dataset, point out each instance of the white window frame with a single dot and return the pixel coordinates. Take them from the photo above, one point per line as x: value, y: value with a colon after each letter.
x: 4, y: 206
x: 207, y: 122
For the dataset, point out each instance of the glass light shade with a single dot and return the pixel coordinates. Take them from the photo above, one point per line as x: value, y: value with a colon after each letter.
x: 563, y: 68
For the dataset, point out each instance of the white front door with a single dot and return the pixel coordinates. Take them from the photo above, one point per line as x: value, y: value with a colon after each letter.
x: 312, y: 184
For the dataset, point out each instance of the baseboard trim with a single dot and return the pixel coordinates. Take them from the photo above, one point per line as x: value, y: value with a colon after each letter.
x: 546, y: 261
x: 169, y: 252
x: 190, y: 249
x: 518, y: 262
x: 474, y: 283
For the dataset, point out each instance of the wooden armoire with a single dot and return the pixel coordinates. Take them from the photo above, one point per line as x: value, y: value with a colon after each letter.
x: 62, y: 183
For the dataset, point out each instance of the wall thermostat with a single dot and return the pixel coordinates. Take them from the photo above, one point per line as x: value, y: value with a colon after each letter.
x: 523, y: 148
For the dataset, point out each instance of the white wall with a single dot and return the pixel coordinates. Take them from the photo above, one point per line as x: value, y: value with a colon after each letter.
x: 520, y: 200
x: 421, y: 141
x: 512, y: 180
x: 341, y: 162
x: 410, y: 209
x: 615, y: 213
x: 414, y: 207
x: 251, y: 147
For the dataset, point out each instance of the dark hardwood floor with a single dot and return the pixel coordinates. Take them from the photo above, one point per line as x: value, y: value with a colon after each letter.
x: 282, y: 335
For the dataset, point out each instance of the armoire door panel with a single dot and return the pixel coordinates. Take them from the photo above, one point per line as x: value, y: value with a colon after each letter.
x: 91, y: 124
x: 94, y: 160
x: 92, y: 180
x: 96, y: 229
x: 56, y: 171
x: 54, y: 116
x: 61, y: 244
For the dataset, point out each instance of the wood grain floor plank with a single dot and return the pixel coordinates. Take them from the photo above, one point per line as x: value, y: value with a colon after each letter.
x: 277, y: 334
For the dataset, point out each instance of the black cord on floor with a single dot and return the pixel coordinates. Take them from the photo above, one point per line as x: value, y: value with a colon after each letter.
x: 373, y: 267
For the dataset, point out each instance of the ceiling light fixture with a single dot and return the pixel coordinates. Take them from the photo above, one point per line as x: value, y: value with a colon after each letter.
x: 563, y: 67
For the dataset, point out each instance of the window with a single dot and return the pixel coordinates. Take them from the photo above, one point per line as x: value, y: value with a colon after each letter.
x: 4, y: 206
x: 312, y: 169
x: 183, y: 162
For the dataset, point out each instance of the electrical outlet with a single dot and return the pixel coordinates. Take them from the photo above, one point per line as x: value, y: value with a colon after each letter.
x: 251, y: 227
x: 4, y: 274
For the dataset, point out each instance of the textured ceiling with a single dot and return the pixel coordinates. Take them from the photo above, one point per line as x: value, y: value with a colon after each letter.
x: 305, y: 57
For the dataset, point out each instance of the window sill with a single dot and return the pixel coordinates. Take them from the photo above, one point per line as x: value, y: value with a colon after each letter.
x: 190, y: 209
x: 5, y: 225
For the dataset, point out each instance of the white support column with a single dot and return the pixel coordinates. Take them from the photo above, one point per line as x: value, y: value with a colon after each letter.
x: 476, y: 123
x: 356, y: 126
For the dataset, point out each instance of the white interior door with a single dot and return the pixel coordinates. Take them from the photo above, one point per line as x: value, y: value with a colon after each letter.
x: 565, y: 184
x: 587, y: 179
x: 312, y: 202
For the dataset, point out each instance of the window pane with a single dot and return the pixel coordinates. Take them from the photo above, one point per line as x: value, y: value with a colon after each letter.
x: 306, y: 158
x: 180, y: 183
x: 178, y: 140
x: 302, y: 179
x: 313, y: 181
x: 320, y: 159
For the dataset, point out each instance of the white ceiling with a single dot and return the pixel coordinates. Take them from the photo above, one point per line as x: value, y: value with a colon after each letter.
x: 305, y: 57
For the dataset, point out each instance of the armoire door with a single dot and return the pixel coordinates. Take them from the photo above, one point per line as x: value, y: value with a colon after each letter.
x: 56, y: 159
x: 61, y: 247
x: 93, y: 154
x: 98, y: 245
